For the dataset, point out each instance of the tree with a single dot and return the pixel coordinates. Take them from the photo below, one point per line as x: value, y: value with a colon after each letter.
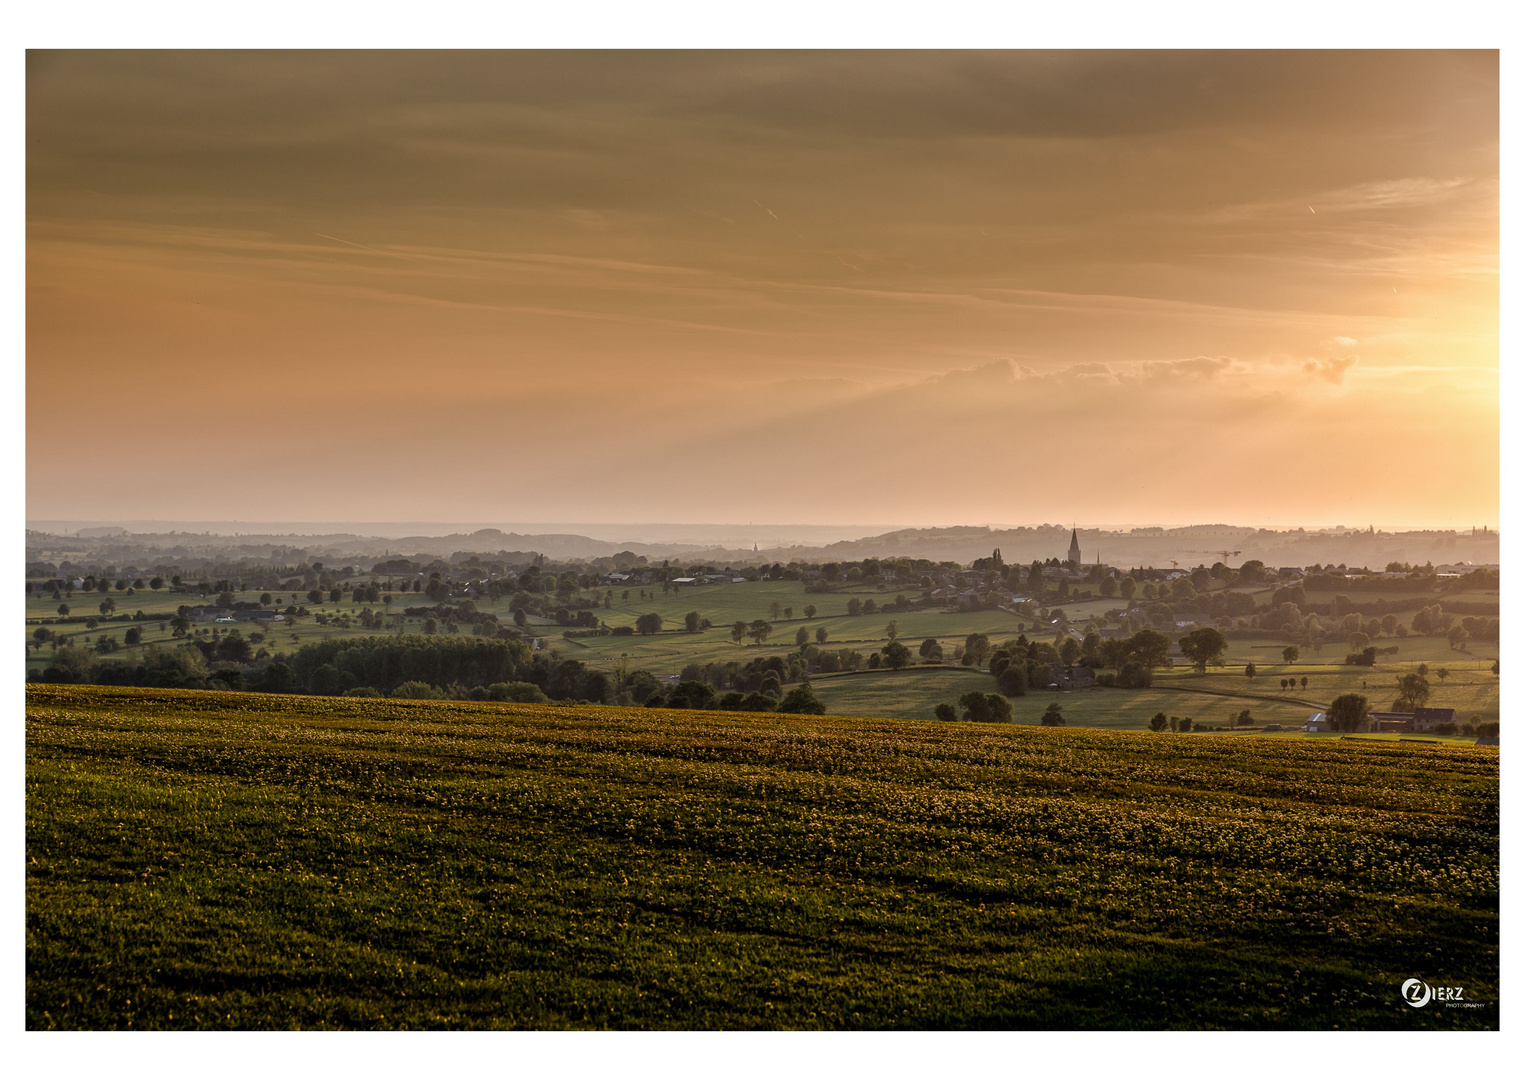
x: 759, y: 630
x: 802, y: 638
x: 855, y: 605
x: 739, y: 631
x: 1291, y: 654
x: 1414, y: 691
x: 811, y: 611
x: 133, y: 636
x: 1358, y: 641
x: 975, y: 706
x: 774, y: 610
x: 1348, y: 712
x: 63, y: 609
x: 156, y: 583
x: 1052, y: 716
x: 999, y: 708
x: 1304, y: 682
x: 692, y: 623
x: 1070, y: 650
x: 801, y: 700
x: 1127, y: 588
x: 821, y: 635
x: 1456, y: 638
x: 890, y: 630
x: 265, y: 599
x: 897, y: 655
x: 1203, y: 647
x: 1013, y: 682
x: 1251, y: 671
x: 789, y: 613
x: 1442, y: 674
x: 1158, y: 722
x: 431, y: 626
x: 977, y: 649
x: 943, y: 711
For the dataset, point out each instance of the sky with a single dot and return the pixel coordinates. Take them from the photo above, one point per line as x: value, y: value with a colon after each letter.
x: 923, y: 288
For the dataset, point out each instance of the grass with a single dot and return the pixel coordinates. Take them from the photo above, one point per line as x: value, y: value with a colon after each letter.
x: 204, y: 860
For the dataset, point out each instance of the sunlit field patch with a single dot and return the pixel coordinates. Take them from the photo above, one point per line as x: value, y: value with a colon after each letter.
x: 214, y: 860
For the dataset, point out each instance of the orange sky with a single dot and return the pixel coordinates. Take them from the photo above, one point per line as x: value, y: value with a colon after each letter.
x: 928, y: 288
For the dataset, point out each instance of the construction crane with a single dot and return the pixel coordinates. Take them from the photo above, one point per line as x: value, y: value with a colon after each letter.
x: 1223, y: 555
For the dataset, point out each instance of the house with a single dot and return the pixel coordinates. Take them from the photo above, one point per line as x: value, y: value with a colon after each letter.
x: 1428, y: 719
x: 682, y: 581
x: 1070, y: 677
x: 1317, y: 722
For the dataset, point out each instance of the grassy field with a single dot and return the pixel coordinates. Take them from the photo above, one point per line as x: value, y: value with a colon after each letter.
x: 204, y: 860
x: 1470, y: 688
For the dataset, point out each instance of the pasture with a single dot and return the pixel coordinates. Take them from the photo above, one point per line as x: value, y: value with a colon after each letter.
x: 1471, y: 689
x: 215, y: 860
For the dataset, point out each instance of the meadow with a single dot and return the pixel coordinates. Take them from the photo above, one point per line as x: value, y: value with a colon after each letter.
x: 1471, y: 688
x: 219, y: 860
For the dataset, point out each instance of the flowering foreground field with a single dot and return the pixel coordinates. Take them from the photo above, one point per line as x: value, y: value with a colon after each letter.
x: 200, y: 859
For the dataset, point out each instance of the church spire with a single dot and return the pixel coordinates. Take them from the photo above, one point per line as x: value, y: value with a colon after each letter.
x: 1074, y: 556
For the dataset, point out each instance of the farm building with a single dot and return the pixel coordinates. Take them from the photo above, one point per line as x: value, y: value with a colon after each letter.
x: 1428, y: 719
x: 1069, y: 677
x: 1391, y: 721
x: 1317, y: 722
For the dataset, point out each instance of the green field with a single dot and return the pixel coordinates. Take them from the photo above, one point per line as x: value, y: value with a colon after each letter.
x: 1471, y: 689
x: 214, y: 860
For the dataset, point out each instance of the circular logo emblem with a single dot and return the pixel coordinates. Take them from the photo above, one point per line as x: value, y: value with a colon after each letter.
x: 1415, y: 992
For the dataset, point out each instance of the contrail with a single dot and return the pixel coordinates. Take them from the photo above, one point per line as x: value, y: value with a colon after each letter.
x: 363, y: 247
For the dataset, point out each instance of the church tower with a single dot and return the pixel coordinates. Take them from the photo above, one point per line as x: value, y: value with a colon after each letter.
x: 1074, y: 557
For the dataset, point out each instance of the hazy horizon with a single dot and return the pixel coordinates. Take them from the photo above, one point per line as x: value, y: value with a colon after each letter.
x: 793, y: 286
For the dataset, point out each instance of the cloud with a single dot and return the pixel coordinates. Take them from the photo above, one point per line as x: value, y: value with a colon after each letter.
x: 1198, y: 367
x: 1345, y: 342
x: 1332, y: 369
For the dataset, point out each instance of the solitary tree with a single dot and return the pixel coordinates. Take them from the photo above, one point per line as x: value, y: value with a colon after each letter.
x: 692, y: 623
x: 759, y: 630
x: 1348, y: 712
x: 1158, y: 722
x: 821, y: 635
x: 108, y: 606
x: 774, y: 610
x: 1291, y: 654
x: 897, y: 655
x: 649, y: 624
x: 802, y: 637
x: 977, y: 649
x: 943, y: 711
x: 63, y: 609
x: 1251, y: 671
x: 811, y: 611
x: 1414, y: 690
x: 1203, y: 647
x: 890, y: 630
x: 1052, y: 716
x: 1304, y: 681
x: 739, y: 631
